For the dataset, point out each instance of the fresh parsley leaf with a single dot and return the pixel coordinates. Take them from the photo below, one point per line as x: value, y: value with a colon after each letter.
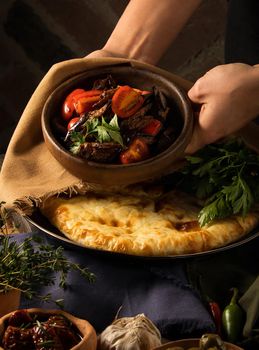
x: 114, y: 123
x: 77, y: 140
x: 194, y: 160
x: 102, y: 131
x: 113, y: 130
x: 226, y: 175
x: 217, y: 209
x: 91, y: 125
x: 116, y: 136
x: 103, y: 134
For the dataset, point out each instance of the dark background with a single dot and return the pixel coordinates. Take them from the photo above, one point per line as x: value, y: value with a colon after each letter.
x: 34, y: 34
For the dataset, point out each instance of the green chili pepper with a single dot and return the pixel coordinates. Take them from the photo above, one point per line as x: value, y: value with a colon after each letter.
x: 232, y: 319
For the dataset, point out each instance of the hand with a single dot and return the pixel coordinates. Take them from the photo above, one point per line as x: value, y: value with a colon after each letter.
x: 229, y: 99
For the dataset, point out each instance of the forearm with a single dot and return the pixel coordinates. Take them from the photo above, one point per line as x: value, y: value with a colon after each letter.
x: 148, y: 27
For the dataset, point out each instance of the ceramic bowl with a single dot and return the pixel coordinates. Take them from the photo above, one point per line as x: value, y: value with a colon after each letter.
x: 191, y: 343
x: 118, y: 174
x: 85, y: 330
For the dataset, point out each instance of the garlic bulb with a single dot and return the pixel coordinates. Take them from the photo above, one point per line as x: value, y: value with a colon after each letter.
x: 130, y: 333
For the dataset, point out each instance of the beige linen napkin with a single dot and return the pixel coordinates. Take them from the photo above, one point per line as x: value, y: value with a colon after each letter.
x: 29, y: 172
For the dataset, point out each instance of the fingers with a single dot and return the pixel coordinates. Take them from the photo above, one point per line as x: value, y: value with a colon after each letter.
x: 197, y: 141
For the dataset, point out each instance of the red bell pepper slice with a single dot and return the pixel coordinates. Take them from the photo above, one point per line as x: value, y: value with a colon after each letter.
x: 68, y: 105
x: 126, y: 101
x: 85, y: 104
x: 153, y: 127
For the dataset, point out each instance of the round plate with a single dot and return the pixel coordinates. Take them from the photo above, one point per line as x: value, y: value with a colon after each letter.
x: 39, y: 221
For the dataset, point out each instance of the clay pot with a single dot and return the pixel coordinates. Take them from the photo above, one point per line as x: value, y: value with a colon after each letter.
x: 85, y: 329
x: 119, y: 174
x: 9, y: 301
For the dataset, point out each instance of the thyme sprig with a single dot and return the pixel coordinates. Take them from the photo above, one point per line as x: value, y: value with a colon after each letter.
x: 29, y: 265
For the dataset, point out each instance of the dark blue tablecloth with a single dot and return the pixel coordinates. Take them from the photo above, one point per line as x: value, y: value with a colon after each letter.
x: 159, y: 289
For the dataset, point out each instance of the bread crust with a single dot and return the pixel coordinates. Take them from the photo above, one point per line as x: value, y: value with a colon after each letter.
x: 143, y: 225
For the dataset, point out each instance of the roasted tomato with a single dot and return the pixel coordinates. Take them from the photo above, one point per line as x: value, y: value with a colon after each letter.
x: 68, y: 105
x: 72, y: 122
x: 153, y: 127
x: 126, y: 101
x: 137, y: 151
x: 84, y: 102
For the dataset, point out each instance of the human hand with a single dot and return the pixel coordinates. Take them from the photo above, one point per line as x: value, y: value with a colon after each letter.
x: 229, y: 99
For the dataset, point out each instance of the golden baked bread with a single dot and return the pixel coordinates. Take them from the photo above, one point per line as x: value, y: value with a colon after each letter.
x: 143, y: 225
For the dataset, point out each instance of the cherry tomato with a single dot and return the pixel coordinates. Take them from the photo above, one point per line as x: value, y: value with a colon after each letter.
x: 137, y: 151
x: 153, y: 127
x: 126, y: 101
x: 72, y: 122
x: 68, y: 105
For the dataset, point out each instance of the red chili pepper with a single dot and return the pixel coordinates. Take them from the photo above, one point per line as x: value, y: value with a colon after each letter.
x: 217, y: 315
x: 213, y: 307
x: 153, y: 127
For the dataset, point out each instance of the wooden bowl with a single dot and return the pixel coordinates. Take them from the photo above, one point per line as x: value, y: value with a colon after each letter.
x: 118, y: 174
x: 189, y: 343
x: 85, y: 329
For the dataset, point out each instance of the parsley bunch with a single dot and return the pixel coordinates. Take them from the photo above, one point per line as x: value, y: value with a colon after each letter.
x: 31, y: 264
x: 226, y: 177
x: 100, y: 130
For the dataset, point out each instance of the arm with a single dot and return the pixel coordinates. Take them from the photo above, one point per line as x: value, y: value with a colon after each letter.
x: 147, y: 28
x: 229, y: 99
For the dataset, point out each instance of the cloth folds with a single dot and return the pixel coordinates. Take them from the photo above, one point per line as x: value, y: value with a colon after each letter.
x: 160, y: 290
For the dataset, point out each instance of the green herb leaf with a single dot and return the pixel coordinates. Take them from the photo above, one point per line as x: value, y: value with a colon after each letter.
x: 101, y: 130
x: 91, y: 125
x: 113, y: 129
x: 77, y: 140
x: 114, y: 123
x: 29, y: 265
x: 226, y: 175
x: 103, y: 134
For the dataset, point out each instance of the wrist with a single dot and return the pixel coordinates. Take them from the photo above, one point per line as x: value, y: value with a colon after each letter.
x: 132, y: 48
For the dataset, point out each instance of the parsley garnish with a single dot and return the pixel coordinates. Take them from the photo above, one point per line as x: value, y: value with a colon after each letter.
x: 100, y: 130
x: 103, y: 131
x: 226, y: 177
x: 77, y: 140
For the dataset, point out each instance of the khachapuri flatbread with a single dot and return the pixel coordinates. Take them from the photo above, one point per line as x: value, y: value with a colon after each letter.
x: 143, y: 225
